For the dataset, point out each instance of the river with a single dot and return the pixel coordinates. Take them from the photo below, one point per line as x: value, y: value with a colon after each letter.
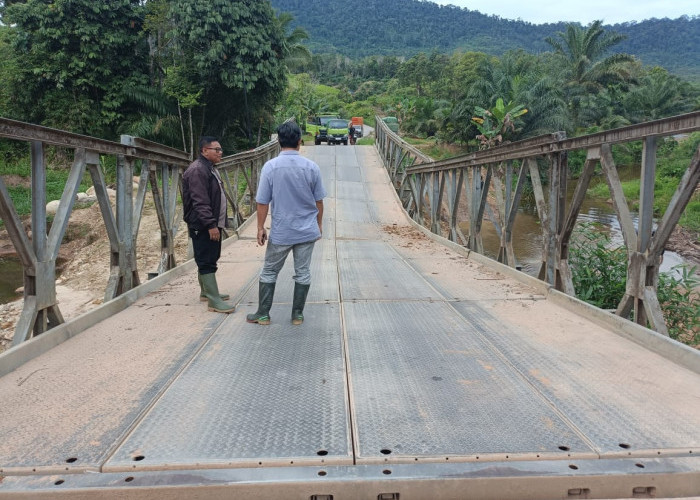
x: 527, y: 234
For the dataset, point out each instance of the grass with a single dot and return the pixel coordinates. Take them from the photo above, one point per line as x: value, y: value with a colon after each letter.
x: 436, y: 150
x: 673, y: 159
x: 21, y: 196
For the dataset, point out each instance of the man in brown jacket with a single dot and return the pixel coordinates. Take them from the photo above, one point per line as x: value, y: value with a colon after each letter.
x: 204, y: 205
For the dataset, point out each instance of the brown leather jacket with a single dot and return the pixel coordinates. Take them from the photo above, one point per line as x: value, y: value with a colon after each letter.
x: 201, y: 195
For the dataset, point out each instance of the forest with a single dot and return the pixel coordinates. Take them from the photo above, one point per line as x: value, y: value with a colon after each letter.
x: 171, y: 70
x: 406, y: 27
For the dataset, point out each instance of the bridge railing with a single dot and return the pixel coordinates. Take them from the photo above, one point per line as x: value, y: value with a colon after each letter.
x: 428, y: 189
x: 160, y: 171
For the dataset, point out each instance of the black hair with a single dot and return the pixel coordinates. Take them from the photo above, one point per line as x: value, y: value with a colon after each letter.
x: 289, y: 135
x: 206, y: 140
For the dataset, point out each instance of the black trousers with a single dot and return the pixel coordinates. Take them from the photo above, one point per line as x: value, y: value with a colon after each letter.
x: 206, y: 251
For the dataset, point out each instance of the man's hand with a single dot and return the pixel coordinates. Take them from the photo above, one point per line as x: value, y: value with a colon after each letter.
x: 262, y: 236
x: 214, y: 234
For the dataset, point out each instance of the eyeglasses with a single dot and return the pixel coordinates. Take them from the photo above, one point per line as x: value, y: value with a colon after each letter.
x: 218, y: 150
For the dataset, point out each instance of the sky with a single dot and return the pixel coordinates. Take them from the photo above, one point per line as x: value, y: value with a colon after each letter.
x: 584, y: 12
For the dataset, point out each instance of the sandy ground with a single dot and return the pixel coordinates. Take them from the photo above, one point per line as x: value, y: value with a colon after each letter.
x: 83, y: 264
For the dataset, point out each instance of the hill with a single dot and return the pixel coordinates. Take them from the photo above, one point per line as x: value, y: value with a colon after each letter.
x: 406, y: 27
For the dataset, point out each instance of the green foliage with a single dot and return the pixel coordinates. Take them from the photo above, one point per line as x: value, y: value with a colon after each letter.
x: 77, y: 58
x: 294, y: 54
x: 9, y: 66
x: 497, y: 123
x: 656, y: 95
x: 21, y: 195
x: 407, y: 27
x: 680, y: 301
x: 581, y: 54
x: 233, y: 53
x: 523, y: 79
x: 599, y: 273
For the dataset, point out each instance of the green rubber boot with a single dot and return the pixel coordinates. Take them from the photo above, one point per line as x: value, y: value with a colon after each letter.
x: 211, y: 290
x: 300, y: 292
x: 203, y: 296
x: 266, y: 291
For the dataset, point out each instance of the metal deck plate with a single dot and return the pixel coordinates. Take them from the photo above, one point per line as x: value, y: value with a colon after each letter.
x: 346, y: 158
x: 377, y: 278
x: 348, y: 173
x: 355, y: 230
x: 61, y: 444
x: 253, y: 396
x: 324, y: 278
x: 353, y: 211
x: 425, y: 385
x: 351, y: 191
x: 364, y: 249
x: 609, y: 403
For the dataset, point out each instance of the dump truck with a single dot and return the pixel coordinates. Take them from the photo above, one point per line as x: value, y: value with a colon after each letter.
x: 318, y: 127
x: 357, y: 122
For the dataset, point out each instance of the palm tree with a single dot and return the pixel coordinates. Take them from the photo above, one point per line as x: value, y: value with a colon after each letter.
x: 580, y: 51
x: 658, y: 95
x: 519, y: 78
x: 293, y: 52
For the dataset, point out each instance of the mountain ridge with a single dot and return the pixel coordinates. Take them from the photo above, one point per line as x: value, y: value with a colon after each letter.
x: 405, y: 27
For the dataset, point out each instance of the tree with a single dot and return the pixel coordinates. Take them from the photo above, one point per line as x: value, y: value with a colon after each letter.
x: 233, y: 52
x: 464, y: 70
x: 421, y: 71
x: 520, y: 78
x: 295, y: 54
x: 581, y: 55
x: 9, y: 66
x: 78, y: 57
x: 497, y: 123
x: 658, y: 95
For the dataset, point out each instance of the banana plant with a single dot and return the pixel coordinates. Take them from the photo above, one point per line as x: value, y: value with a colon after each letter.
x: 497, y: 122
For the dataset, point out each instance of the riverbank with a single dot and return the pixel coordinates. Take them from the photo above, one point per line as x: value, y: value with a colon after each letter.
x: 83, y: 264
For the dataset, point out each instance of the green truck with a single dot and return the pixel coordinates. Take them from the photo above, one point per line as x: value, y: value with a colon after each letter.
x: 338, y: 131
x: 318, y: 127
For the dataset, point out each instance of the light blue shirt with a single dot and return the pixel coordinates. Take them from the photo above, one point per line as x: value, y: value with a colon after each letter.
x: 292, y: 185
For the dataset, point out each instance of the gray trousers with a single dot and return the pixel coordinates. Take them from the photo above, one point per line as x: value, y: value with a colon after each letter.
x: 275, y: 255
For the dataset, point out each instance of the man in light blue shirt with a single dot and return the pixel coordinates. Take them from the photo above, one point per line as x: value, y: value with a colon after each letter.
x: 292, y: 186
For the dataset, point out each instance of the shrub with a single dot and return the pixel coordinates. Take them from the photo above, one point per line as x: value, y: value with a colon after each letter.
x: 680, y: 301
x: 599, y: 273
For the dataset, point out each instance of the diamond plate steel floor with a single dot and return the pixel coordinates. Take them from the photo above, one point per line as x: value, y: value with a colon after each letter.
x: 253, y: 396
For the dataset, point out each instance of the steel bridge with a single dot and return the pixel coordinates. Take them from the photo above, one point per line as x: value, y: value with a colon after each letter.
x: 423, y: 369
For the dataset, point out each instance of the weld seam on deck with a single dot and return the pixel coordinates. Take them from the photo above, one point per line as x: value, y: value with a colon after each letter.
x: 346, y: 351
